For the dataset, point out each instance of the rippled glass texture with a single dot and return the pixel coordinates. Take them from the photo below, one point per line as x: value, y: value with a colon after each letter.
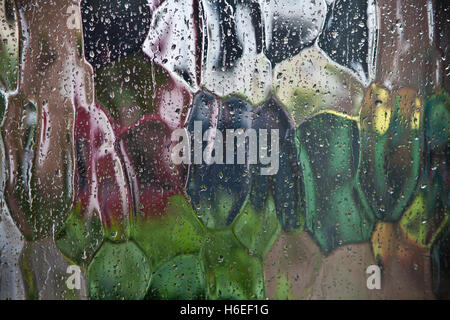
x: 335, y: 184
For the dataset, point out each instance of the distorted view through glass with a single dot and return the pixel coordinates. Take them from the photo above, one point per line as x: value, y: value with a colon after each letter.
x: 224, y: 149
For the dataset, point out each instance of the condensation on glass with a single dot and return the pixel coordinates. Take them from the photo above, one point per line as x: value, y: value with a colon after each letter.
x: 94, y: 207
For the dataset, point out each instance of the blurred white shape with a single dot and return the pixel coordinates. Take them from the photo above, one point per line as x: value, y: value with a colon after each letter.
x: 302, y: 21
x: 310, y: 82
x: 171, y: 41
x: 250, y: 75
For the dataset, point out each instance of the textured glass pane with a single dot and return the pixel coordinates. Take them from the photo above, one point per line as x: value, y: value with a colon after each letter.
x: 224, y: 149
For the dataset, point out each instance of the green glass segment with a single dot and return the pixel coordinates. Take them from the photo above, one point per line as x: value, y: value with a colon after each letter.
x: 175, y: 231
x: 81, y: 236
x: 257, y: 226
x: 336, y: 211
x: 427, y: 215
x: 119, y: 271
x: 182, y: 277
x: 437, y: 121
x: 231, y: 271
x: 391, y: 147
